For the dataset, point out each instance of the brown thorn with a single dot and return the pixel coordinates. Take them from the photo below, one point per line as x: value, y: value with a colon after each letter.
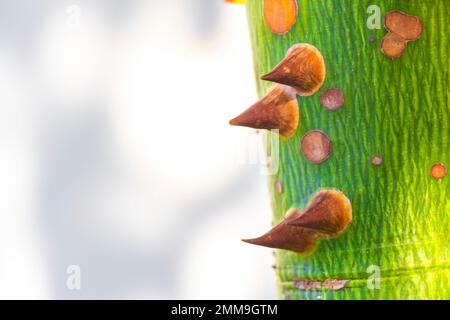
x: 278, y: 109
x: 284, y: 236
x: 303, y: 69
x: 330, y: 213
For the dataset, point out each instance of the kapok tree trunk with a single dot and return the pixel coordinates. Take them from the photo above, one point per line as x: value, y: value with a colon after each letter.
x: 391, y: 130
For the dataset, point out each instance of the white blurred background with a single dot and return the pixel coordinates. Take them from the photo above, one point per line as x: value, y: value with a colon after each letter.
x: 116, y: 156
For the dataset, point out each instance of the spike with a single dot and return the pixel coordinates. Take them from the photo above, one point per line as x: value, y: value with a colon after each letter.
x: 328, y: 215
x: 303, y: 69
x: 286, y: 236
x: 408, y: 27
x: 280, y: 15
x: 278, y: 109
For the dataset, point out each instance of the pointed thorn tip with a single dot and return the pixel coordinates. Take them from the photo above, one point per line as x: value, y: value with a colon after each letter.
x: 266, y: 77
x: 251, y: 241
x: 255, y: 241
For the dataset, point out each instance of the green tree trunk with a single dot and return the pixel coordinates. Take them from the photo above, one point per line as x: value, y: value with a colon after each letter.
x: 397, y: 109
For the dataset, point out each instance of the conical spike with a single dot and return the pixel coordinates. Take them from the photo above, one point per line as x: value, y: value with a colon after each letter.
x: 263, y: 241
x: 303, y: 69
x: 330, y: 213
x: 285, y: 236
x: 278, y: 109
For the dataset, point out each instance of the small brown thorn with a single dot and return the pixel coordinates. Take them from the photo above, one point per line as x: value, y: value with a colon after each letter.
x: 328, y: 215
x: 286, y: 237
x: 278, y: 109
x: 330, y: 212
x: 260, y: 241
x: 303, y: 69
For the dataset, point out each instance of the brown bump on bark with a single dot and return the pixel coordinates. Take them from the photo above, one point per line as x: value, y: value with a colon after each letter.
x: 280, y: 15
x: 334, y: 284
x: 287, y: 294
x: 438, y: 171
x: 393, y: 45
x: 278, y: 109
x: 303, y: 69
x: 332, y: 99
x: 279, y: 186
x: 377, y: 160
x: 316, y: 146
x: 329, y: 214
x: 408, y: 27
x: 307, y: 284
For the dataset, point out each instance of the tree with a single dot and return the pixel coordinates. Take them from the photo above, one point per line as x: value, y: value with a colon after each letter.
x: 390, y: 147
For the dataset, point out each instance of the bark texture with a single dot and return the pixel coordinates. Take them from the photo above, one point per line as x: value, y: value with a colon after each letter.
x: 397, y: 109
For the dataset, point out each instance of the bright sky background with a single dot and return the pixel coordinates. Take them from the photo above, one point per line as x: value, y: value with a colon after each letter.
x: 116, y: 155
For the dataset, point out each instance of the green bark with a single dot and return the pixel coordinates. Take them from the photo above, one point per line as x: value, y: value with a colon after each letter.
x: 398, y: 109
